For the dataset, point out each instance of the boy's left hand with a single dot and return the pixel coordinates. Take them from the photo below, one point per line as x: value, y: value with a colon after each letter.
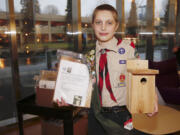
x: 155, y: 107
x: 155, y: 111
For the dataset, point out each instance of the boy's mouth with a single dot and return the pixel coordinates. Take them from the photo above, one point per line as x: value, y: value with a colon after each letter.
x: 103, y: 34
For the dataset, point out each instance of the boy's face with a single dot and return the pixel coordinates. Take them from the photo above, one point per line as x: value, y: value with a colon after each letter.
x: 104, y: 26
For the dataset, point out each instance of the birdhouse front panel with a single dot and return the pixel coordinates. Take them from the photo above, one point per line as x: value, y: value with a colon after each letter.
x: 141, y: 93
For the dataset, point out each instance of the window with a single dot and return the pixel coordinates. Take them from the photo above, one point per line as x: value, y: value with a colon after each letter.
x: 7, y: 100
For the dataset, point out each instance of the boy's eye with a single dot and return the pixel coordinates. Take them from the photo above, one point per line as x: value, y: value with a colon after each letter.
x: 98, y: 22
x: 109, y: 23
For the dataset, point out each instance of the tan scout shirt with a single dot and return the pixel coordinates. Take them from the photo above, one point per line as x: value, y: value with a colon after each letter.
x: 116, y: 60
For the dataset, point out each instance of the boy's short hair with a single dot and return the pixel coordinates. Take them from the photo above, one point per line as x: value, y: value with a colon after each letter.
x: 105, y: 7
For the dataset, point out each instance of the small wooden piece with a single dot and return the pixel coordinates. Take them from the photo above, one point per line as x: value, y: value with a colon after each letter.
x: 137, y: 64
x: 141, y: 87
x: 143, y: 71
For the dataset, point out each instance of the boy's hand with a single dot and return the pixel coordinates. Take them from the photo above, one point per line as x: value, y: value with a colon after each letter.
x: 155, y: 108
x: 155, y: 111
x: 62, y: 103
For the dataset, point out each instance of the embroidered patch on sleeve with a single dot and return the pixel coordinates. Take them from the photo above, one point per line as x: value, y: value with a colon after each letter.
x: 136, y: 54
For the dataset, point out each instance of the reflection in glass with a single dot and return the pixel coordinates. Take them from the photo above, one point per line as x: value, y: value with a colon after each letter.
x: 2, y: 63
x: 3, y: 6
x: 28, y: 61
x: 6, y: 87
x: 29, y: 8
x: 132, y: 25
x: 178, y: 25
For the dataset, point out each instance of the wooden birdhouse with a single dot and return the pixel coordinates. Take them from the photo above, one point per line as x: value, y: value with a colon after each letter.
x: 140, y: 87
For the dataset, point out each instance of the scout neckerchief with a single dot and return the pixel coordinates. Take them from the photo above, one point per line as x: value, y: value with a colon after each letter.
x: 104, y: 65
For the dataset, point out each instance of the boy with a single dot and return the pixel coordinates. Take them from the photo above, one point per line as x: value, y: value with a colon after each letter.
x: 109, y: 114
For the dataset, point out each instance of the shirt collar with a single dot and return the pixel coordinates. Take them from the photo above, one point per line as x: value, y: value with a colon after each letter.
x: 111, y: 45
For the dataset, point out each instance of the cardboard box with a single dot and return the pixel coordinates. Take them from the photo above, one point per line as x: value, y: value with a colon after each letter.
x: 45, y: 88
x: 44, y: 97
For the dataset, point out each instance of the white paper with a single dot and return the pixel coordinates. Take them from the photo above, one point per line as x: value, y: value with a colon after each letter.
x: 72, y: 83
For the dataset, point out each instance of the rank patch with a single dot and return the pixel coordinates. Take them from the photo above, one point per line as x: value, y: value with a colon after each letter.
x: 122, y: 78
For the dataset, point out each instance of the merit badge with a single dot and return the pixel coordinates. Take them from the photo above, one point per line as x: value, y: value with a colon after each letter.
x: 122, y: 61
x: 128, y: 124
x: 122, y: 80
x: 121, y: 50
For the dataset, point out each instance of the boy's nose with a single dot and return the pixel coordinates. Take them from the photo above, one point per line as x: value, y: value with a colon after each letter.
x: 103, y: 27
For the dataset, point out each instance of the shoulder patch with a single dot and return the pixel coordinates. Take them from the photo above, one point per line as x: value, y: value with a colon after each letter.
x: 119, y: 41
x: 132, y: 45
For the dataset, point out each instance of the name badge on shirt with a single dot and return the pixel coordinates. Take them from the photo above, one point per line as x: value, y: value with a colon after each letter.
x: 122, y: 61
x: 121, y: 85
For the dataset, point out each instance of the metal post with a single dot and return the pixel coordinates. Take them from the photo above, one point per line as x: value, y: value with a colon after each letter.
x: 150, y: 9
x: 76, y: 28
x: 120, y: 9
x: 171, y: 43
x: 21, y: 35
x: 13, y: 49
x: 178, y: 24
x: 49, y: 31
x: 149, y: 47
x: 171, y: 27
x: 48, y: 58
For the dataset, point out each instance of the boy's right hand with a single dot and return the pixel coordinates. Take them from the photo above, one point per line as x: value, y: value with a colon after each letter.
x: 61, y: 103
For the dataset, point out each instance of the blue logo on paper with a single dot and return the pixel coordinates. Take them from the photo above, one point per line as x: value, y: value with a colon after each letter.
x: 121, y: 50
x: 122, y: 61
